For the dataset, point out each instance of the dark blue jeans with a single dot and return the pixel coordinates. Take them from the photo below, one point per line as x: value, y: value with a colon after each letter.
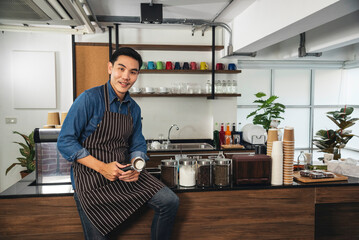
x: 165, y: 204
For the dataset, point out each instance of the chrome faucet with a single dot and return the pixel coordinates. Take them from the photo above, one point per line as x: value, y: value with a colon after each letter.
x: 169, y: 131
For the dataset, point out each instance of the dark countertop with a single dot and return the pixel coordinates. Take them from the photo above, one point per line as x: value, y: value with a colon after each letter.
x: 27, y: 188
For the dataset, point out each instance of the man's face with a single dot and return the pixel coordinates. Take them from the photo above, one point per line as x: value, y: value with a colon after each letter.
x: 124, y: 74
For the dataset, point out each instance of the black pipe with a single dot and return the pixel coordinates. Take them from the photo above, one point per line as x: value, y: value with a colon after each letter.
x: 74, y: 90
x: 109, y: 41
x: 117, y: 41
x: 213, y: 59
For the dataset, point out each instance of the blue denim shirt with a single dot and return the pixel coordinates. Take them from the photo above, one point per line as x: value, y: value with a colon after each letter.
x: 86, y: 113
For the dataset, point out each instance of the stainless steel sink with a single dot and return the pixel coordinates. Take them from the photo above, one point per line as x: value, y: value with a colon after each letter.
x: 187, y: 146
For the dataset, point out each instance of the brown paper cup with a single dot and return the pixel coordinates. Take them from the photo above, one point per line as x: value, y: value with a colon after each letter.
x: 53, y: 118
x: 63, y: 116
x: 48, y: 126
x: 272, y: 135
x: 288, y: 134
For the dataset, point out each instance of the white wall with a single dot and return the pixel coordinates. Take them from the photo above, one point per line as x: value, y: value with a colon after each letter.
x: 29, y: 119
x: 194, y: 116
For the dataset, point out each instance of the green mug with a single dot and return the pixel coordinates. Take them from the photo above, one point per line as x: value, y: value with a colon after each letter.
x: 159, y: 65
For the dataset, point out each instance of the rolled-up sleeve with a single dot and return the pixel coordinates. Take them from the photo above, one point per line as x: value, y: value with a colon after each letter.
x: 69, y: 140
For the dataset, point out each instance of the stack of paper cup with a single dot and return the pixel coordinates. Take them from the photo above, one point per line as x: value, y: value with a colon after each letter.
x: 272, y: 136
x: 277, y: 163
x: 53, y: 118
x: 288, y: 154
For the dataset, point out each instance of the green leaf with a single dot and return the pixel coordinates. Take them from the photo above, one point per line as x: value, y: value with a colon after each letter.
x: 260, y: 94
x: 11, y: 166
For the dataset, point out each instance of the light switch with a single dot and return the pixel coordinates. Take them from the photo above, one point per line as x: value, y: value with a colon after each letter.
x: 9, y: 120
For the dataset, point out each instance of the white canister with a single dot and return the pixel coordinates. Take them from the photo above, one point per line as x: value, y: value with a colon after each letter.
x: 187, y: 172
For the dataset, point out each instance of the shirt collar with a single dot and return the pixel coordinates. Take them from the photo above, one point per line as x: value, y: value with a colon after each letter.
x: 112, y: 95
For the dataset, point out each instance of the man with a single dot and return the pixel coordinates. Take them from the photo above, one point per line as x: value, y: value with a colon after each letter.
x: 102, y: 134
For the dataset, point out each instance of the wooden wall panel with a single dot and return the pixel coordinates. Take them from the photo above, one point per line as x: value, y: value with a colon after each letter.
x: 91, y: 67
x: 340, y: 194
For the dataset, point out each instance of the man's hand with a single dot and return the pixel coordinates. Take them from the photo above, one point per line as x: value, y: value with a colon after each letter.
x: 129, y: 176
x: 111, y: 170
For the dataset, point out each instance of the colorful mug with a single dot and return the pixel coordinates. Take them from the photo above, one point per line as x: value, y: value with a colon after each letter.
x: 159, y: 65
x: 219, y: 66
x: 177, y: 66
x: 151, y: 65
x: 193, y: 65
x: 169, y: 65
x: 203, y: 66
x: 185, y: 66
x: 232, y: 66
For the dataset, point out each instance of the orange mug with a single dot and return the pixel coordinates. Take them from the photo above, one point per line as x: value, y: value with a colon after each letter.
x: 193, y: 65
x: 169, y: 65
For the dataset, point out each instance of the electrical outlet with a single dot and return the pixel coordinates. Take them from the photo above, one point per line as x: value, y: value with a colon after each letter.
x: 9, y: 120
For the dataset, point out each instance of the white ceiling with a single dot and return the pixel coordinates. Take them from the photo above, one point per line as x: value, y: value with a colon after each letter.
x: 283, y: 42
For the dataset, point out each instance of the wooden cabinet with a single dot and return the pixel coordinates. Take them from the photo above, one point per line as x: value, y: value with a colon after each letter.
x: 274, y: 213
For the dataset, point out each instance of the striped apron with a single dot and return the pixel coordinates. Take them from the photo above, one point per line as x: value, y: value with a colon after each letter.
x: 108, y: 203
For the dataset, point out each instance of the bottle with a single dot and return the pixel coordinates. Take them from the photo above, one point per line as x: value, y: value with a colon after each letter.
x: 216, y: 141
x: 234, y: 86
x: 222, y: 135
x: 301, y: 162
x: 227, y: 136
x: 209, y: 87
x: 234, y: 134
x: 218, y: 86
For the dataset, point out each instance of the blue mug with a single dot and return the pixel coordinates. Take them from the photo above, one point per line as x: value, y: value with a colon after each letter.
x: 232, y: 66
x: 151, y: 65
x: 177, y: 66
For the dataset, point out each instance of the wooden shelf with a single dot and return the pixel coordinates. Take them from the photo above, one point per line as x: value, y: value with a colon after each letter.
x: 155, y: 47
x: 155, y: 71
x: 183, y: 95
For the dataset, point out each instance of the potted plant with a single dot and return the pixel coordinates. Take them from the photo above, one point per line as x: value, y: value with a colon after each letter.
x: 267, y: 111
x: 28, y: 154
x: 332, y: 141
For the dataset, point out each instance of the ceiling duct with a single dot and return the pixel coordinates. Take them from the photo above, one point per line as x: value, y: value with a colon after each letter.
x: 302, y: 52
x: 33, y: 14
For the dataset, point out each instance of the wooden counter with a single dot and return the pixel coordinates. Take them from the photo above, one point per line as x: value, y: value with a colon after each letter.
x: 285, y: 212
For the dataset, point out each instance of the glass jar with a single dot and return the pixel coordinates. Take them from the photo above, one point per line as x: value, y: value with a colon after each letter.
x: 187, y: 172
x: 204, y: 173
x: 169, y: 172
x: 222, y: 171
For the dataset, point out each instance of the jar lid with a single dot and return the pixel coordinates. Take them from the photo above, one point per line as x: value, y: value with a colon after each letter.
x: 187, y: 161
x: 168, y: 162
x: 204, y: 162
x: 223, y: 160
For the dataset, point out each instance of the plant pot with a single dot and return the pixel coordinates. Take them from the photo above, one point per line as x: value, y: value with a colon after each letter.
x: 24, y: 173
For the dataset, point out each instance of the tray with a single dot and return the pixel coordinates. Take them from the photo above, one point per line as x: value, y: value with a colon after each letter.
x: 229, y: 146
x: 337, y: 177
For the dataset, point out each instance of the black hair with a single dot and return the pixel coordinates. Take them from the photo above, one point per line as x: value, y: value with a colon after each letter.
x: 127, y: 51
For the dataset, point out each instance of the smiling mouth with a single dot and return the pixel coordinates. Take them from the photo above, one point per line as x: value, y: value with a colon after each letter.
x: 125, y: 84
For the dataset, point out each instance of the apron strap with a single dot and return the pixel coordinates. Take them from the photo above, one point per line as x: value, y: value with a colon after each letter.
x: 107, y: 101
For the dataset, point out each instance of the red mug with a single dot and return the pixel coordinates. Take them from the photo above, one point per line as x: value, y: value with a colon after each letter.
x: 219, y: 66
x: 169, y: 65
x: 193, y: 65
